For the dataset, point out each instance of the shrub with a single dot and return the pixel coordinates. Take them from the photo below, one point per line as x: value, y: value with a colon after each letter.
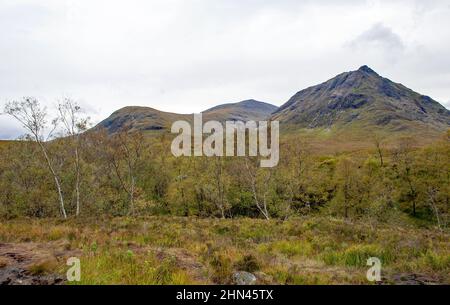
x: 222, y: 269
x: 248, y: 263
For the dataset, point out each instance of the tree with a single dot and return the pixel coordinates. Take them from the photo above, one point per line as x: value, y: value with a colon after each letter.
x: 33, y: 117
x: 404, y: 166
x: 432, y: 195
x: 218, y: 173
x: 124, y: 156
x: 70, y: 116
x: 259, y: 185
x: 435, y: 180
x: 377, y: 141
x: 349, y: 188
x: 293, y: 174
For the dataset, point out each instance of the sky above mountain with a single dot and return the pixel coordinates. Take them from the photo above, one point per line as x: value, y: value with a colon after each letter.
x: 188, y: 55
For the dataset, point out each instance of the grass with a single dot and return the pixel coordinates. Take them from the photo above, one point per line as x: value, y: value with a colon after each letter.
x: 42, y: 268
x: 289, y: 248
x: 119, y: 266
x: 176, y: 250
x: 357, y: 255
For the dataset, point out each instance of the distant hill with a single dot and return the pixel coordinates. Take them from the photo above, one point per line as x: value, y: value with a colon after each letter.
x: 140, y: 118
x: 363, y: 99
x: 4, y: 143
x: 149, y: 119
x: 243, y: 111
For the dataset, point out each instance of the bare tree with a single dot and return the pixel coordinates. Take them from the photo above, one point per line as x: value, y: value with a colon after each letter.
x: 74, y: 124
x: 33, y: 117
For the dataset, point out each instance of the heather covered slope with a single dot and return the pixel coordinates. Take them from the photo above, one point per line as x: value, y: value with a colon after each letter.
x: 362, y: 99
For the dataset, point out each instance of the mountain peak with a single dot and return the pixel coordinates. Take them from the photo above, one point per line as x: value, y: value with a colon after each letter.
x: 363, y: 98
x: 241, y: 111
x: 366, y: 69
x: 248, y: 104
x: 250, y: 101
x: 256, y: 104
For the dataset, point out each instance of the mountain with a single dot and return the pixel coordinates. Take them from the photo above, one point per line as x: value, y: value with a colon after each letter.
x: 358, y: 100
x: 147, y: 119
x: 249, y: 110
x: 140, y: 118
x: 363, y: 99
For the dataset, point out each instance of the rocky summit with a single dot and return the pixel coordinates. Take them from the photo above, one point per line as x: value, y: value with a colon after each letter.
x: 363, y: 98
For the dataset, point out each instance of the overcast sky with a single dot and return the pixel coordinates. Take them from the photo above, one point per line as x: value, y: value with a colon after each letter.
x: 189, y: 55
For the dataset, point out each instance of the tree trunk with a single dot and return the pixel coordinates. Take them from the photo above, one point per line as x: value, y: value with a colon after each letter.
x: 381, y: 157
x: 262, y: 209
x: 132, y: 186
x: 58, y: 185
x: 435, y: 209
x: 77, y: 182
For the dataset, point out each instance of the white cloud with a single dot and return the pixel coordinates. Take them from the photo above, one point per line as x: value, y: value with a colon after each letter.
x: 188, y: 55
x: 379, y: 36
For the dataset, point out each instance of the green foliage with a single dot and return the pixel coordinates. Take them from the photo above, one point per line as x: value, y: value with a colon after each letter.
x: 411, y: 182
x: 357, y: 255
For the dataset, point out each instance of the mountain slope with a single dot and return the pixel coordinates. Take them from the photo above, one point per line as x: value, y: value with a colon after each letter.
x: 140, y: 118
x: 363, y: 99
x: 243, y: 111
x: 148, y: 119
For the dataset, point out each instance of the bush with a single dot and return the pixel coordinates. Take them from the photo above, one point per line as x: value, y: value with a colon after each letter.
x: 248, y: 263
x: 222, y: 269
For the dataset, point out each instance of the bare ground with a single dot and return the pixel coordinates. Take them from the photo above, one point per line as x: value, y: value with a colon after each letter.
x: 31, y: 263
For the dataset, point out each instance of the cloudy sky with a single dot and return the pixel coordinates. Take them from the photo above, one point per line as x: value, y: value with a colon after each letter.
x: 188, y: 55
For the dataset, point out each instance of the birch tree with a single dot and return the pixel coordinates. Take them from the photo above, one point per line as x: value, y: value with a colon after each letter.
x: 33, y: 117
x: 259, y: 189
x: 70, y: 115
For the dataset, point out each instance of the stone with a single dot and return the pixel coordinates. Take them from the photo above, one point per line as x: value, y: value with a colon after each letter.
x: 244, y: 278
